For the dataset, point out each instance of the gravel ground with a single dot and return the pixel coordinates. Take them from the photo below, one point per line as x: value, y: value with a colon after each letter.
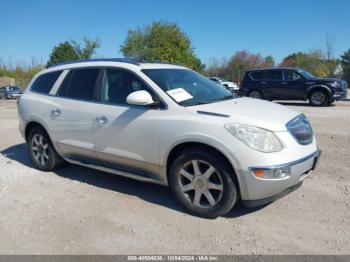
x: 76, y: 210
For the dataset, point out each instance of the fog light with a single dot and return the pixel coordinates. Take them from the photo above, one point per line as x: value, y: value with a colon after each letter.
x: 272, y: 173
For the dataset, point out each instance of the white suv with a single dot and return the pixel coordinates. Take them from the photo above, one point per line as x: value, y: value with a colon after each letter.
x: 166, y: 124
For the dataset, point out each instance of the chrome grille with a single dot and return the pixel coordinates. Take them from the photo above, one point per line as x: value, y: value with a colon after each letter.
x: 300, y: 129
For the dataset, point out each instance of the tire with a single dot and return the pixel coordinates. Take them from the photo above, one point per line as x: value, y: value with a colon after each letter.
x: 41, y: 151
x: 213, y: 175
x: 330, y: 102
x: 318, y: 98
x: 255, y: 94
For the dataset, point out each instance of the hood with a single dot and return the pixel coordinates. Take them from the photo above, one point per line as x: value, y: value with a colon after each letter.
x: 249, y: 111
x: 321, y: 79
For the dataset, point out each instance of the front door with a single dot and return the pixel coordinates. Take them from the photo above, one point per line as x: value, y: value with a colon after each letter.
x: 293, y: 85
x: 127, y: 137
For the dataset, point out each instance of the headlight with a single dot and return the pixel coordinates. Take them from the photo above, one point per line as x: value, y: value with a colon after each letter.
x: 335, y: 84
x: 255, y: 137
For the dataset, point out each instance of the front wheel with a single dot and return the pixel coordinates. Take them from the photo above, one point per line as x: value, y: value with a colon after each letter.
x: 318, y: 98
x: 203, y: 183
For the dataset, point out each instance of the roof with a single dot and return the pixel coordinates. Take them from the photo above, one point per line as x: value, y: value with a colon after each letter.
x: 272, y: 68
x: 119, y: 60
x: 122, y: 60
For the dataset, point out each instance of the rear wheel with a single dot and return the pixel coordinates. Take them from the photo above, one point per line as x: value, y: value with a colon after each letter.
x: 318, y: 98
x: 41, y: 151
x: 202, y: 182
x: 255, y: 94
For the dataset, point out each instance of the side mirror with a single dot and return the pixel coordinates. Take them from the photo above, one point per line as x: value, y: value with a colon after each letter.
x: 139, y: 98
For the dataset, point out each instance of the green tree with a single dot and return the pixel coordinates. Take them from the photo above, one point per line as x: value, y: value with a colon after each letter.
x: 313, y: 61
x: 63, y: 52
x: 161, y: 41
x: 88, y: 48
x: 73, y: 50
x: 345, y: 60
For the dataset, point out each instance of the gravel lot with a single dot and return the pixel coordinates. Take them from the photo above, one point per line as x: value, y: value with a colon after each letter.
x: 81, y: 211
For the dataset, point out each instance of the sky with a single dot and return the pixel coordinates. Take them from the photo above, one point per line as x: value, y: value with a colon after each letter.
x: 216, y: 28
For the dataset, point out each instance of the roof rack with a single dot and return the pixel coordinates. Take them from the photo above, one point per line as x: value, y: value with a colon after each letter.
x: 122, y: 60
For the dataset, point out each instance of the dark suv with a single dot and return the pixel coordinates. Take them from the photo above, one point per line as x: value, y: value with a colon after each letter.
x: 292, y: 84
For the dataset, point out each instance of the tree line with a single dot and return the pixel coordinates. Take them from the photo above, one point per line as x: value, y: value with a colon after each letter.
x: 166, y: 42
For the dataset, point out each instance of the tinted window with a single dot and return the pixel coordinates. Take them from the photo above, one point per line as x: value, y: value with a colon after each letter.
x: 44, y: 83
x: 80, y: 84
x: 274, y: 75
x: 257, y: 75
x: 118, y: 84
x: 291, y: 75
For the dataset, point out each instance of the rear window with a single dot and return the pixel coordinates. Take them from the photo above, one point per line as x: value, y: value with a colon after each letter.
x: 80, y: 84
x: 257, y: 75
x: 44, y: 83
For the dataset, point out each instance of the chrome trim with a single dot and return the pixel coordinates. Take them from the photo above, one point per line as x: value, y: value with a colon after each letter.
x: 313, y: 155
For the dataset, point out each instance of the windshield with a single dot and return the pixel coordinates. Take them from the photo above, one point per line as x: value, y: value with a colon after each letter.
x: 14, y: 88
x: 306, y: 74
x: 187, y: 87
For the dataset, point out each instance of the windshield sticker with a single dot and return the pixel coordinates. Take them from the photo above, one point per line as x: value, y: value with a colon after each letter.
x: 179, y: 94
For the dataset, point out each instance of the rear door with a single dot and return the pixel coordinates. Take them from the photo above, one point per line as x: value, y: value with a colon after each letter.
x: 72, y: 112
x: 274, y: 83
x: 293, y: 85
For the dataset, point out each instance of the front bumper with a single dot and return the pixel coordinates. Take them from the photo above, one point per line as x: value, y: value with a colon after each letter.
x: 14, y: 95
x: 260, y: 191
x: 340, y: 95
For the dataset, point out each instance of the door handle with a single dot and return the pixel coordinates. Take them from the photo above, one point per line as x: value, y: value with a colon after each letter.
x: 55, y: 112
x: 284, y: 83
x: 263, y: 83
x: 101, y: 120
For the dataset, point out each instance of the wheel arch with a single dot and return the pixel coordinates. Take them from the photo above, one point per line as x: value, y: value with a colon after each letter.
x: 180, y: 147
x: 32, y: 124
x: 319, y: 87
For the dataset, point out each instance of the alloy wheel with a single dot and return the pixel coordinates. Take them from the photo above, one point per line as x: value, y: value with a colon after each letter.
x: 200, y: 183
x: 40, y: 149
x: 318, y: 98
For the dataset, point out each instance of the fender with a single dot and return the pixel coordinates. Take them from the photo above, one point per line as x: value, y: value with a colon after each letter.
x: 205, y: 140
x: 318, y: 86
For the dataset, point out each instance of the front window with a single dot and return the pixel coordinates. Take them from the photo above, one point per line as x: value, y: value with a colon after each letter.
x: 306, y: 74
x: 290, y: 75
x: 187, y: 87
x: 118, y: 84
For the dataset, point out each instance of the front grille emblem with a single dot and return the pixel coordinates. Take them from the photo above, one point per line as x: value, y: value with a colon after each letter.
x: 300, y: 128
